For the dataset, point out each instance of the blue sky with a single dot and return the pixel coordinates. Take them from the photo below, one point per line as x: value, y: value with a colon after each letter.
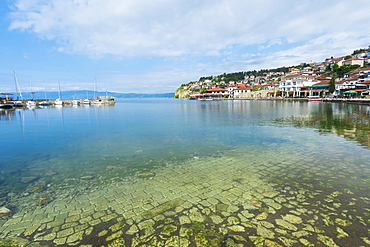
x: 146, y: 46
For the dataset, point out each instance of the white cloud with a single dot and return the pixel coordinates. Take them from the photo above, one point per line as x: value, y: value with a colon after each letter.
x: 180, y: 27
x: 197, y: 37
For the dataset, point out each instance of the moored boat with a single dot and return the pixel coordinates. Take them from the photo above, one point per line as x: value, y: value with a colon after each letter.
x: 19, y: 101
x: 58, y: 102
x: 314, y: 98
x: 75, y: 102
x: 44, y: 103
x: 18, y: 104
x: 6, y: 106
x: 6, y: 102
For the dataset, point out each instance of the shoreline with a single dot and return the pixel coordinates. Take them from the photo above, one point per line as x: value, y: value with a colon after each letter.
x: 332, y: 100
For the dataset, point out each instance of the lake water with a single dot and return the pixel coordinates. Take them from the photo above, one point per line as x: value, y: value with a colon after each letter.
x: 166, y: 172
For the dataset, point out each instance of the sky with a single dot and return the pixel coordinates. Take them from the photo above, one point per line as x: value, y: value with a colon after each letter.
x: 146, y: 46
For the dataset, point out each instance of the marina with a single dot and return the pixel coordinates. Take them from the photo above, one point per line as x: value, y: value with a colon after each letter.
x: 10, y: 104
x: 165, y: 172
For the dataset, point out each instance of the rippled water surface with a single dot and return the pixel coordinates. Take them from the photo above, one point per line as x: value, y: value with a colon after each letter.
x: 165, y: 172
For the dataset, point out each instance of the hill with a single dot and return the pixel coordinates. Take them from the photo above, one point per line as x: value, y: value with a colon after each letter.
x: 81, y: 94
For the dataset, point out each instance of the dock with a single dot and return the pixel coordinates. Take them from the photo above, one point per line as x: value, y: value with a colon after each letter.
x: 70, y: 102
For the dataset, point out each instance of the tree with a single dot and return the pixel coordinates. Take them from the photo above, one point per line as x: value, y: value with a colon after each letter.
x: 203, y: 90
x: 332, y: 84
x: 335, y: 67
x: 347, y: 57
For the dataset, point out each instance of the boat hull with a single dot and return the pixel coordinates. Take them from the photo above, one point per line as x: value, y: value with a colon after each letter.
x: 6, y: 106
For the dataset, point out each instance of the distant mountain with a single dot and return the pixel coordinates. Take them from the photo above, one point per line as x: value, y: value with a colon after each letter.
x: 82, y: 94
x: 137, y: 95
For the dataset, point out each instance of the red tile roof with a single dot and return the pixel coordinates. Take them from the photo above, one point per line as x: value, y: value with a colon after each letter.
x: 216, y: 89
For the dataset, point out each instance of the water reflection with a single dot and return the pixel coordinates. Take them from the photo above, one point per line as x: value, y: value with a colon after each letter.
x: 7, y: 115
x: 346, y: 120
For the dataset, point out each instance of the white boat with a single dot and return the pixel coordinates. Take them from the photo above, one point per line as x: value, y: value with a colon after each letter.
x: 19, y: 101
x: 87, y: 101
x: 46, y: 102
x: 31, y: 103
x: 75, y: 102
x: 59, y: 101
x: 6, y: 103
x: 98, y: 102
x: 314, y: 98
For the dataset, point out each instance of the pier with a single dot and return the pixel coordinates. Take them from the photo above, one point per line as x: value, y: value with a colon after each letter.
x: 96, y: 101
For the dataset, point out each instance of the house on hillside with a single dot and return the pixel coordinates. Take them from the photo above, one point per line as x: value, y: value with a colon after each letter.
x: 320, y: 67
x: 365, y: 88
x: 362, y: 54
x: 241, y: 91
x: 230, y: 89
x: 319, y: 88
x: 217, y: 92
x: 354, y: 61
x: 294, y: 71
x: 291, y: 85
x: 339, y: 61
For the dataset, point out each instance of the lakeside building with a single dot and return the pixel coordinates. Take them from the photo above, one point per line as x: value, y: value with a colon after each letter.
x: 301, y: 81
x: 293, y: 84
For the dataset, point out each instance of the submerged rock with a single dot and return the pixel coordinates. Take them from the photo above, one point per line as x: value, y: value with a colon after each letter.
x: 14, y: 242
x: 162, y: 208
x: 270, y: 243
x: 43, y: 200
x: 261, y: 216
x: 27, y: 180
x: 146, y: 175
x: 4, y: 211
x: 341, y: 233
x: 292, y: 218
x: 236, y: 228
x: 38, y: 187
x: 343, y: 222
x: 327, y: 240
x: 50, y: 173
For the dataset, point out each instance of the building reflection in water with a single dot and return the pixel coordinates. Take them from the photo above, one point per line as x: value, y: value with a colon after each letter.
x: 346, y: 120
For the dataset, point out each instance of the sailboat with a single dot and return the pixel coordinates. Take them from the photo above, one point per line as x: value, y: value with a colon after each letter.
x: 45, y: 102
x: 31, y: 103
x: 59, y: 101
x: 97, y: 100
x: 87, y: 101
x: 6, y: 103
x: 75, y: 101
x: 19, y: 101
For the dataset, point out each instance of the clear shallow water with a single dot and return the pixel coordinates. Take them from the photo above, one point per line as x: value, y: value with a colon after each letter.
x: 312, y: 157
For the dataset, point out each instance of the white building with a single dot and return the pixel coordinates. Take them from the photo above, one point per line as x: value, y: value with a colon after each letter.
x: 294, y: 83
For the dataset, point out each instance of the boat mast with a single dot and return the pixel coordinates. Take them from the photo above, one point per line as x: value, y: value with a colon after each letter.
x: 46, y: 98
x: 59, y: 92
x: 33, y: 93
x: 18, y: 91
x: 95, y: 89
x: 73, y: 79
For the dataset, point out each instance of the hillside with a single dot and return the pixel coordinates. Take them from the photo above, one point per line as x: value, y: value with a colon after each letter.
x: 331, y: 67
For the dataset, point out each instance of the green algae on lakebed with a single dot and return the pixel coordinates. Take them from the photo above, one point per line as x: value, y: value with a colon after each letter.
x: 232, y: 199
